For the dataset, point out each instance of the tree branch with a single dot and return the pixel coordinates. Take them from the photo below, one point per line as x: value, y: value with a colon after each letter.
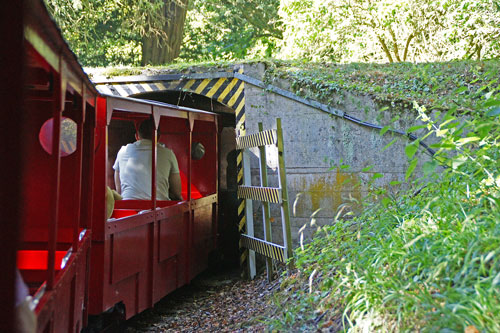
x: 407, y: 46
x: 385, y: 48
x: 394, y: 40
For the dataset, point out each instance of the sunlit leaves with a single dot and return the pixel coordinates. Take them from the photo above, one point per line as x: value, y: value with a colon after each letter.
x: 429, y: 167
x: 464, y: 141
x: 231, y: 29
x: 415, y: 128
x: 385, y: 129
x: 104, y: 32
x: 492, y: 103
x: 366, y: 169
x: 390, y: 31
x: 393, y: 141
x: 386, y: 202
x: 411, y: 168
x: 411, y: 149
x: 427, y: 257
x: 458, y: 161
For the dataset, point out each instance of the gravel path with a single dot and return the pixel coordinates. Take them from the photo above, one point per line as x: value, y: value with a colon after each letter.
x: 220, y: 302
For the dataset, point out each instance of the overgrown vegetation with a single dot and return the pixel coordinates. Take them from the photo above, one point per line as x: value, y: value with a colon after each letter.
x: 426, y: 259
x: 462, y: 85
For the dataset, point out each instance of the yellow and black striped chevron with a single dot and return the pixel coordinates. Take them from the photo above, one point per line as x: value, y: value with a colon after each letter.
x: 226, y: 90
x: 268, y: 194
x: 267, y: 249
x: 256, y: 140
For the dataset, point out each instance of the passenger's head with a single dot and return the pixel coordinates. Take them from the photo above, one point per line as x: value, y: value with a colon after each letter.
x: 146, y: 129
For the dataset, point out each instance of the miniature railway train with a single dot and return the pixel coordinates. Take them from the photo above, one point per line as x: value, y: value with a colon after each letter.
x: 75, y: 261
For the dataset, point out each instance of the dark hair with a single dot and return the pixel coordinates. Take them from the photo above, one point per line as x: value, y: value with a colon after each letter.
x: 146, y: 129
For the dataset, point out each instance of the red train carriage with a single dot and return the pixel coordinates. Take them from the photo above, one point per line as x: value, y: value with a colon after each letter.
x: 148, y: 248
x: 61, y: 147
x: 60, y: 110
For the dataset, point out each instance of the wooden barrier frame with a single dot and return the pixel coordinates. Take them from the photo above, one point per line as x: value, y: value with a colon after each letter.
x: 266, y: 195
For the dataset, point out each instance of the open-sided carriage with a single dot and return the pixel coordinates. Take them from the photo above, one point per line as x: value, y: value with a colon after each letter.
x: 62, y: 142
x: 149, y: 248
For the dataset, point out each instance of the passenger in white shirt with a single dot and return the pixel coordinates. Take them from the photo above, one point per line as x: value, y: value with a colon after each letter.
x: 133, y: 169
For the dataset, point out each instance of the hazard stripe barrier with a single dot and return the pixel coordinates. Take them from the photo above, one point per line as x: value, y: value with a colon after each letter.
x: 264, y: 138
x: 267, y: 194
x: 267, y: 249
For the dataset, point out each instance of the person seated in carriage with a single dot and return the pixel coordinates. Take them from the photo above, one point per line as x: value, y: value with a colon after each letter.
x: 133, y: 168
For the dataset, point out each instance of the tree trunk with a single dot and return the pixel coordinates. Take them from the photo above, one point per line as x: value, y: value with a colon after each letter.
x: 159, y: 50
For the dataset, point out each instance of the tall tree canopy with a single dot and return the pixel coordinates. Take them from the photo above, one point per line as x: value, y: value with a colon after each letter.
x: 111, y: 32
x: 133, y: 32
x: 390, y: 30
x: 231, y: 29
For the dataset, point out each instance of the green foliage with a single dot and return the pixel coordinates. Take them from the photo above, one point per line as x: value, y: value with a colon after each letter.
x: 108, y: 32
x: 111, y: 32
x: 230, y: 29
x: 426, y: 260
x: 460, y: 85
x: 104, y: 32
x: 389, y: 30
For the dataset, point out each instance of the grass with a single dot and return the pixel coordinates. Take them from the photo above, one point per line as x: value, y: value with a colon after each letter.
x: 425, y: 260
x: 178, y: 67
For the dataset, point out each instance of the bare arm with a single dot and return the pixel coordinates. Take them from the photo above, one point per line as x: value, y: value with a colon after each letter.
x: 118, y: 185
x: 175, y: 186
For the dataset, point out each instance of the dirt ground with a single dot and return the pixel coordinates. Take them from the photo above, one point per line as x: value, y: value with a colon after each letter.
x: 213, y: 302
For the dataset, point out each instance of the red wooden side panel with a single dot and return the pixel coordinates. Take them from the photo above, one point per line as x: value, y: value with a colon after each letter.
x: 129, y: 253
x: 125, y: 265
x: 96, y: 279
x: 132, y: 291
x: 169, y: 272
x: 169, y: 237
x: 81, y: 281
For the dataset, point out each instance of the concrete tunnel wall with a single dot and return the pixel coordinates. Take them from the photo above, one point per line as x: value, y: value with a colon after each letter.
x: 315, y: 142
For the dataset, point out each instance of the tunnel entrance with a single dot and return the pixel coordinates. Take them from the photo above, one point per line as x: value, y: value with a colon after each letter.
x: 227, y: 253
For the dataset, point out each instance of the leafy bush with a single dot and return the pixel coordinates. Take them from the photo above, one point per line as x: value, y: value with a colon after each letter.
x: 425, y: 260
